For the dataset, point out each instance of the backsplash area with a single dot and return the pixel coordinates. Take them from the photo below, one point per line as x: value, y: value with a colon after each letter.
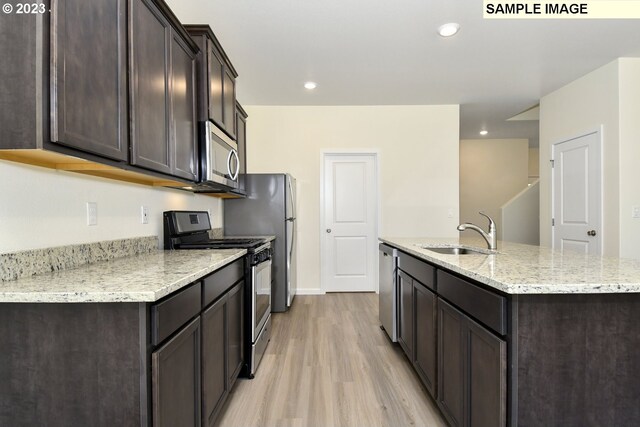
x: 37, y: 261
x: 44, y: 208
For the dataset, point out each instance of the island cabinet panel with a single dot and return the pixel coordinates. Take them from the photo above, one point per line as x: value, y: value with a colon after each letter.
x: 425, y: 360
x: 486, y: 306
x: 472, y: 371
x: 405, y: 313
x: 89, y: 76
x: 417, y: 317
x: 451, y: 361
x: 487, y: 377
x: 176, y: 379
x: 578, y: 360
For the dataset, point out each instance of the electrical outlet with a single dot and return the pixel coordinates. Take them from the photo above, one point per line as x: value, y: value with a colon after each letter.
x: 144, y: 214
x: 92, y: 213
x: 635, y: 212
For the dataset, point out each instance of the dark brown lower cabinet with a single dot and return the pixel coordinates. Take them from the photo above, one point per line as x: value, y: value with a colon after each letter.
x: 451, y: 396
x: 235, y: 358
x: 425, y: 303
x: 175, y: 371
x: 214, y: 379
x: 472, y: 371
x: 405, y: 313
x: 222, y: 351
x: 170, y: 362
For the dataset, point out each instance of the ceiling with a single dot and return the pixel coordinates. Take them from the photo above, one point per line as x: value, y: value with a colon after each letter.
x: 383, y: 52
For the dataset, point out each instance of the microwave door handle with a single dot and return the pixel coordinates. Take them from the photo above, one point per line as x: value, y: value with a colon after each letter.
x: 229, y: 173
x: 234, y: 175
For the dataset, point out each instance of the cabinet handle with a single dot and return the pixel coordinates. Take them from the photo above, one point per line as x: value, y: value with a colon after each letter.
x: 328, y: 230
x: 591, y: 233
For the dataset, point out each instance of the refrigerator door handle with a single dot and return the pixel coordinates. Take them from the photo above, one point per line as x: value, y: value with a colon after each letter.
x: 292, y: 201
x: 292, y: 219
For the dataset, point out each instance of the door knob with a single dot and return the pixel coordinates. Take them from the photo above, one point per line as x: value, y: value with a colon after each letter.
x: 328, y: 230
x: 591, y: 233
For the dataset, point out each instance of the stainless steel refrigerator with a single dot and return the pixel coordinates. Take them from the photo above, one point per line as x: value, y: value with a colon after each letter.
x: 269, y: 209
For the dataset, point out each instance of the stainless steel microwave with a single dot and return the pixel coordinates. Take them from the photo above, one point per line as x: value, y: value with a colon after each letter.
x: 220, y: 163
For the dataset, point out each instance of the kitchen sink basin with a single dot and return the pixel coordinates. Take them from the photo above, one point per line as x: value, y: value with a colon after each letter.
x: 458, y: 250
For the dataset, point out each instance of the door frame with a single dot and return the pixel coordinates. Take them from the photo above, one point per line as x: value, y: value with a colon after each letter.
x: 375, y: 154
x: 599, y: 130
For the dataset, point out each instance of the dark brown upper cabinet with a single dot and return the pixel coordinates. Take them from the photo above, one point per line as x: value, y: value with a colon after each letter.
x: 217, y: 80
x: 105, y: 88
x: 162, y: 91
x: 241, y: 139
x: 88, y: 76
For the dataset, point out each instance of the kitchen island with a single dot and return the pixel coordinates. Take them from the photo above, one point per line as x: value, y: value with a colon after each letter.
x: 123, y: 342
x: 527, y: 336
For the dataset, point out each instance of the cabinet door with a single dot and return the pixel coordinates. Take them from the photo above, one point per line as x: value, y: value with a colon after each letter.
x: 176, y: 379
x: 150, y: 103
x: 229, y: 99
x: 241, y: 139
x: 183, y: 108
x: 235, y: 324
x: 216, y: 72
x: 425, y: 335
x: 214, y: 360
x: 88, y: 66
x: 451, y: 363
x: 405, y: 316
x: 487, y: 377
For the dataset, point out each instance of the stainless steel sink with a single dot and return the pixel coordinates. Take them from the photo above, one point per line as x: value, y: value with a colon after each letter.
x: 458, y: 250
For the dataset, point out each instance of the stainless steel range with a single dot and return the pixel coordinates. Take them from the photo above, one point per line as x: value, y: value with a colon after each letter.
x: 190, y: 230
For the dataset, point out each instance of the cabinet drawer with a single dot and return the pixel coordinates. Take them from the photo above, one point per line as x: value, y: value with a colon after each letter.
x: 219, y: 281
x: 168, y: 315
x: 489, y: 308
x: 419, y: 270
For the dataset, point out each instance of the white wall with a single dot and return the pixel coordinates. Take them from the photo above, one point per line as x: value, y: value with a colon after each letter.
x: 418, y: 158
x: 41, y: 208
x: 629, y: 156
x: 534, y: 164
x: 574, y: 110
x: 521, y: 216
x: 492, y: 171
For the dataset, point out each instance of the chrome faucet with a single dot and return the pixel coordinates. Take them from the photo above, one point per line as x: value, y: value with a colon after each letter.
x: 491, y: 237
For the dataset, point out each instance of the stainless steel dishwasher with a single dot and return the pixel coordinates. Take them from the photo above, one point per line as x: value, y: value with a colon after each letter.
x: 388, y: 307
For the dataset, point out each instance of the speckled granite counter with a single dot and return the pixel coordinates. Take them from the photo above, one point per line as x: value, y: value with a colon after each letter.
x: 140, y: 278
x: 525, y: 269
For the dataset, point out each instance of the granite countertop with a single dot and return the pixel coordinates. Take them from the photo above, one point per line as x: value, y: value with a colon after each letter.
x: 526, y: 269
x: 139, y: 278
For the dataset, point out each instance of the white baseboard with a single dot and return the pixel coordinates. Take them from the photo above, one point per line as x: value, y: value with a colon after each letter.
x: 307, y: 291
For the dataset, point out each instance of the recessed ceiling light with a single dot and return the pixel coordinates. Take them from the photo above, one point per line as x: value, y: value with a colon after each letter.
x: 448, y: 30
x: 484, y: 132
x: 310, y: 85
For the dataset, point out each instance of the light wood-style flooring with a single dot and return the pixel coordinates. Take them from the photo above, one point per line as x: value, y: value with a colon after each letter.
x: 330, y: 364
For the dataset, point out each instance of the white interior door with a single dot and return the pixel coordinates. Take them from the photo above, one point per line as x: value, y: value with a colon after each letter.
x: 349, y: 203
x: 577, y: 194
